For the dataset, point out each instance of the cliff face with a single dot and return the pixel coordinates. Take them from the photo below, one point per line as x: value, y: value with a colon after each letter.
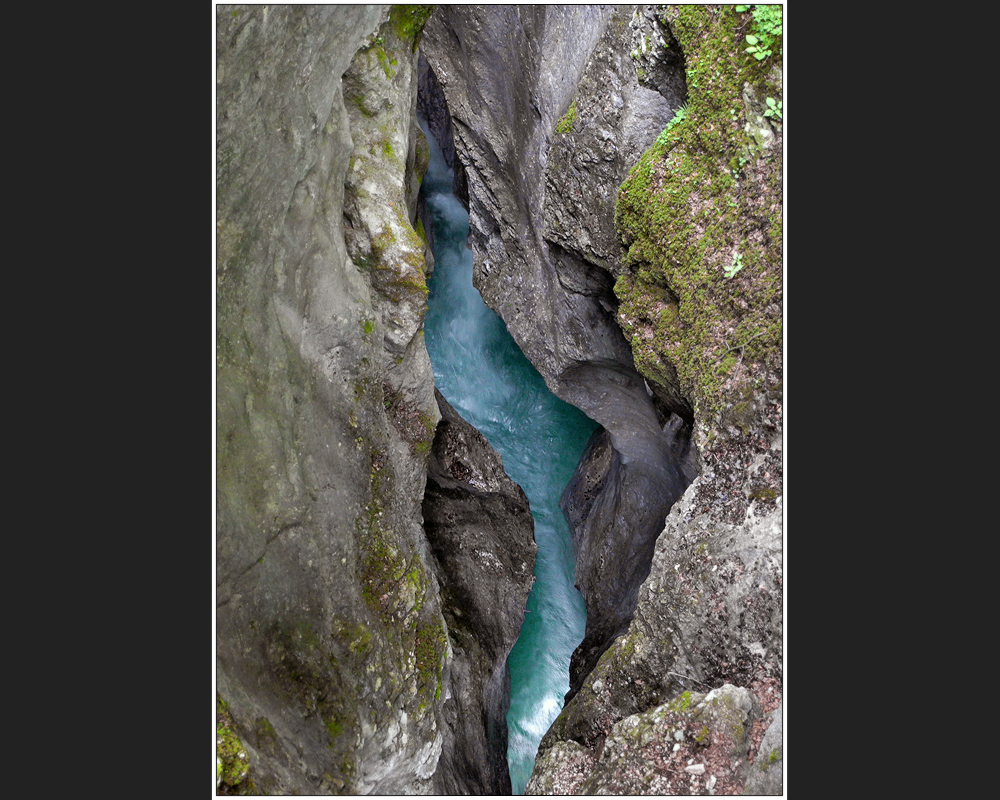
x: 337, y: 665
x: 700, y: 295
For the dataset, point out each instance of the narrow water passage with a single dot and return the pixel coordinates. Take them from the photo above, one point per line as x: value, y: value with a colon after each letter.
x: 483, y: 374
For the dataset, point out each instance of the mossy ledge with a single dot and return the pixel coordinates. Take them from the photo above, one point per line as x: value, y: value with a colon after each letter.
x: 701, y: 217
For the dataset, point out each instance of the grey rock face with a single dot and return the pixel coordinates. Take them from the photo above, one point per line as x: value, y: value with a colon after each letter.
x: 541, y: 204
x: 709, y: 613
x: 333, y: 649
x: 659, y: 60
x: 696, y: 744
x: 766, y: 778
x: 481, y: 535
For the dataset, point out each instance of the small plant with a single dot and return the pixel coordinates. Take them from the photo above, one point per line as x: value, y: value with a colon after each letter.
x: 767, y: 29
x: 773, y: 109
x: 735, y: 267
x: 679, y: 116
x: 565, y: 125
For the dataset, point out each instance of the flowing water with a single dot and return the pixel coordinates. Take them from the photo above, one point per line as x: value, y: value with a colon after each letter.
x: 483, y: 374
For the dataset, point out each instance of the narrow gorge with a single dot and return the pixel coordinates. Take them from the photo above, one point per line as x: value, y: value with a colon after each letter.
x: 527, y: 546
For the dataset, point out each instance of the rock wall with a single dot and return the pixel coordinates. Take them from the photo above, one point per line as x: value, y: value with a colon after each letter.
x: 481, y: 536
x: 339, y: 664
x: 700, y: 296
x: 548, y: 116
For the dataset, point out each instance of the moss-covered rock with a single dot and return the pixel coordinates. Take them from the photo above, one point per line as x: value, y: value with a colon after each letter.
x: 232, y: 771
x: 701, y: 216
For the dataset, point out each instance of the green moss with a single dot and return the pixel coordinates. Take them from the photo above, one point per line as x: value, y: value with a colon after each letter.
x: 683, y: 214
x: 681, y: 703
x: 565, y: 124
x: 626, y: 650
x: 334, y: 727
x: 408, y: 21
x: 773, y: 757
x: 430, y: 649
x: 383, y: 59
x: 355, y: 637
x: 417, y: 284
x: 232, y: 761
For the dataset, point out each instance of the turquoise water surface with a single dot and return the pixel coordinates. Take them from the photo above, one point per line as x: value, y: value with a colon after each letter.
x: 481, y: 371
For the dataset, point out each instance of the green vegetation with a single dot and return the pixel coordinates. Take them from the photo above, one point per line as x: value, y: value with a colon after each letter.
x: 354, y: 636
x: 565, y: 124
x: 394, y: 585
x: 265, y: 730
x: 767, y: 29
x: 773, y: 109
x: 735, y: 267
x: 408, y: 21
x: 334, y: 727
x: 679, y: 116
x: 700, y: 216
x: 385, y: 59
x: 231, y: 760
x: 430, y: 647
x: 681, y: 703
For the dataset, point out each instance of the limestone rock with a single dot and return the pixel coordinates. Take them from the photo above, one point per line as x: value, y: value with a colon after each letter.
x: 709, y: 613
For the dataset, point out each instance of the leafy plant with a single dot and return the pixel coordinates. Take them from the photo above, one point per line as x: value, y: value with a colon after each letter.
x: 773, y: 108
x: 679, y: 116
x: 735, y: 267
x: 766, y: 31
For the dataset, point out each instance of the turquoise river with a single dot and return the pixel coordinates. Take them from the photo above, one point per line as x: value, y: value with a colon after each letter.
x: 483, y: 374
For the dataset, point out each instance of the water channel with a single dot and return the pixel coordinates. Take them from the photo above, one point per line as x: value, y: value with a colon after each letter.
x: 481, y: 371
